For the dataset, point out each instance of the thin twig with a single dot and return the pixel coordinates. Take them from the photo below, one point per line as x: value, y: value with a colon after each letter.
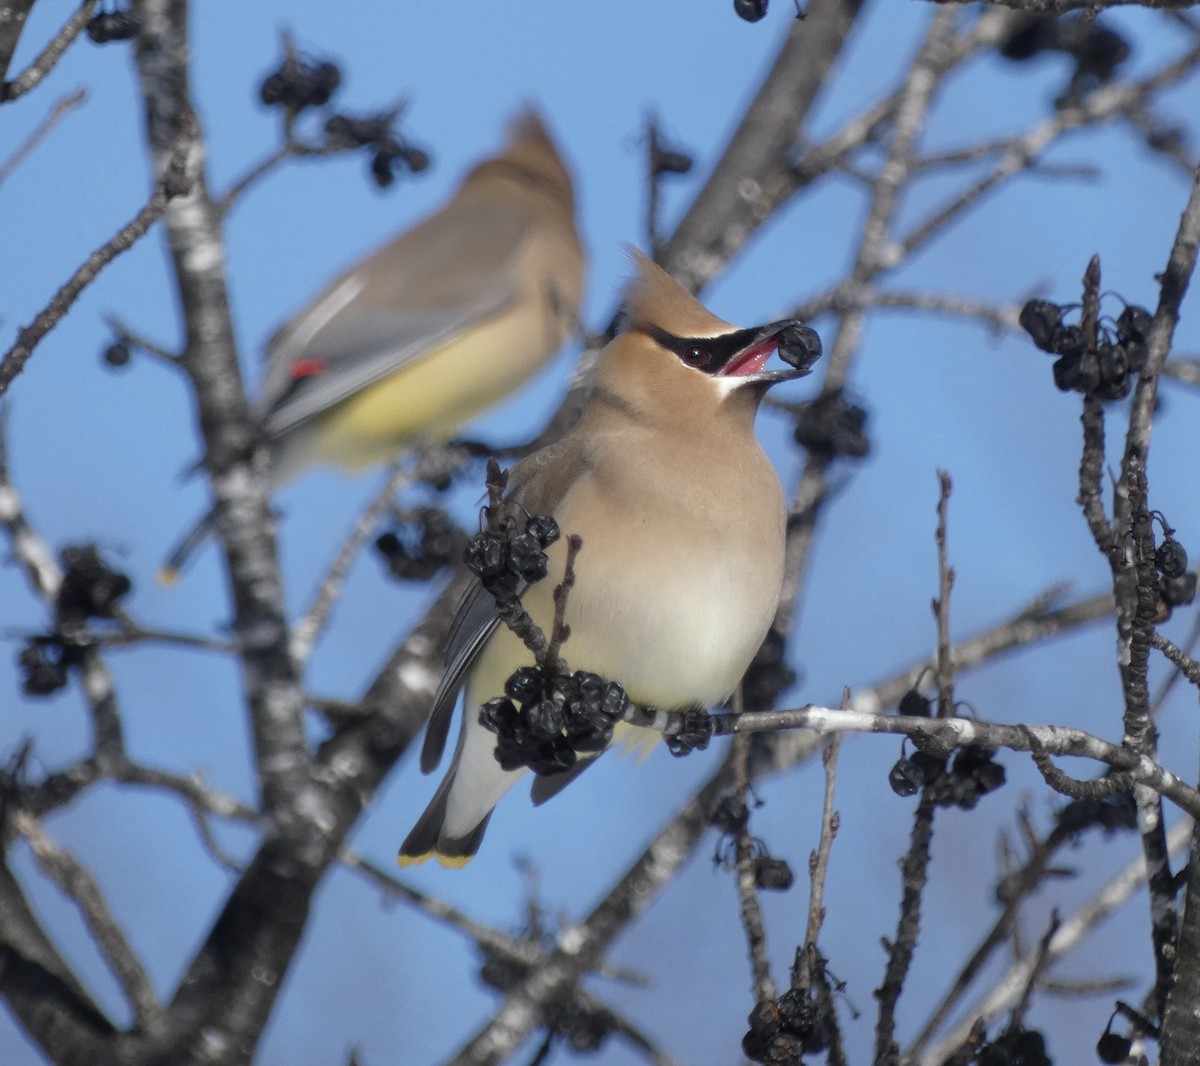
x: 307, y: 630
x: 172, y: 184
x: 944, y: 674
x: 762, y: 985
x: 818, y: 863
x: 48, y: 58
x: 946, y: 734
x: 77, y: 884
x: 1008, y: 987
x: 914, y: 875
x: 60, y: 110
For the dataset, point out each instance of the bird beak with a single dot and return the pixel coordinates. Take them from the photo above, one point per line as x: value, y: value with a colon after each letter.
x: 798, y: 346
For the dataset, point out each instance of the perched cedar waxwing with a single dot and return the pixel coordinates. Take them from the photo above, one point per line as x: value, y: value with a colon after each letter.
x: 682, y: 521
x: 431, y: 329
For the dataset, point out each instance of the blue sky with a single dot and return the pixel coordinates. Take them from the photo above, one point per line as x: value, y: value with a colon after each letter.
x: 98, y: 455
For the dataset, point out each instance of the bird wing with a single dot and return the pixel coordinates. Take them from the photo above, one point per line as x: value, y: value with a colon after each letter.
x: 536, y: 485
x: 401, y: 303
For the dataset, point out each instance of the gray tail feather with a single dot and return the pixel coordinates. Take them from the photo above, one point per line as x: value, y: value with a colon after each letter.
x: 191, y: 540
x: 429, y: 838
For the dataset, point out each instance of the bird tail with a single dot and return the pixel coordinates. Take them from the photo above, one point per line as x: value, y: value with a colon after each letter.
x: 169, y: 572
x: 429, y: 839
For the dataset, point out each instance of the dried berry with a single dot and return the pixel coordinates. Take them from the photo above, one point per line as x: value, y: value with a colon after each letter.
x: 1041, y: 319
x: 750, y: 10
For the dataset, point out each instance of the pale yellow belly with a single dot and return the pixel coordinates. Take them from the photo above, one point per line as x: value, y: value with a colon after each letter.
x: 433, y: 397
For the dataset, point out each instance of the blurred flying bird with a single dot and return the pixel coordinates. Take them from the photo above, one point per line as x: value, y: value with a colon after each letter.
x: 431, y: 329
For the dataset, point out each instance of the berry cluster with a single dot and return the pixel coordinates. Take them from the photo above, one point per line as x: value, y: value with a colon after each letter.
x: 695, y: 731
x: 1016, y: 1046
x: 422, y: 546
x: 1102, y: 368
x: 768, y: 674
x: 390, y: 153
x: 730, y: 817
x: 44, y: 663
x: 546, y: 722
x: 90, y: 587
x: 1096, y: 50
x: 785, y: 1029
x: 972, y: 774
x: 830, y: 426
x: 300, y: 82
x: 507, y: 563
x: 1176, y: 585
x: 105, y: 26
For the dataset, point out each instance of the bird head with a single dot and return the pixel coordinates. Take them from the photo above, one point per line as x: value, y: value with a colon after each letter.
x: 530, y: 158
x: 672, y: 352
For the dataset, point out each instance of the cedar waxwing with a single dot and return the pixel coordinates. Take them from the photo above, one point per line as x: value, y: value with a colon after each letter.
x: 431, y: 329
x: 682, y: 521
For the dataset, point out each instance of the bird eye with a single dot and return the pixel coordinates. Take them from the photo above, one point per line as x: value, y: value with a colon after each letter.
x: 697, y: 357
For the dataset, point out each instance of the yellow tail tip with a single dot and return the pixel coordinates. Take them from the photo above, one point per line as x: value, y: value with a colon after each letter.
x: 450, y: 862
x: 166, y: 576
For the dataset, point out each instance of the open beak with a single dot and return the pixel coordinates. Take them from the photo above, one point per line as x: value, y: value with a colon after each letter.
x: 798, y: 346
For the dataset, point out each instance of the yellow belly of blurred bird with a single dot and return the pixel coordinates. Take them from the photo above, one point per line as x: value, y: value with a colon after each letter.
x: 432, y: 397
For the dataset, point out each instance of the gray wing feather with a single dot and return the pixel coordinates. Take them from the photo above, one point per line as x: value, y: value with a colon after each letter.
x: 367, y: 348
x: 547, y: 786
x: 410, y: 295
x: 474, y: 622
x: 537, y: 484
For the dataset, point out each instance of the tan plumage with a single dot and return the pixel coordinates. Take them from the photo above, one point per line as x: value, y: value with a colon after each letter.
x: 682, y: 520
x: 424, y: 334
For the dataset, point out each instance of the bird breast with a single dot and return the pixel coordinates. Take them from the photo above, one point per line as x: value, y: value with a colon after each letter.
x: 675, y: 593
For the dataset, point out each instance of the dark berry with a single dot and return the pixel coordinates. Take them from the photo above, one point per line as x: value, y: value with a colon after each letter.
x: 1069, y: 341
x: 486, y: 555
x: 750, y: 10
x: 525, y: 685
x: 1036, y: 35
x: 1171, y: 559
x: 903, y: 778
x: 1041, y: 319
x: 545, y: 718
x: 498, y: 716
x: 117, y: 354
x: 915, y: 705
x: 388, y: 544
x: 1113, y: 1048
x: 528, y: 559
x: 730, y: 815
x: 416, y: 159
x: 799, y: 346
x: 381, y: 169
x: 1133, y: 324
x: 1179, y: 591
x: 667, y: 162
x: 543, y: 528
x: 773, y: 875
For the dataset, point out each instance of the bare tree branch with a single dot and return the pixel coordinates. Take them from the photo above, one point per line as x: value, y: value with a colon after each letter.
x: 46, y: 61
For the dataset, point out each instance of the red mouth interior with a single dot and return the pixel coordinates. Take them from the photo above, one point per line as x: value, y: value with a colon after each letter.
x: 751, y: 361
